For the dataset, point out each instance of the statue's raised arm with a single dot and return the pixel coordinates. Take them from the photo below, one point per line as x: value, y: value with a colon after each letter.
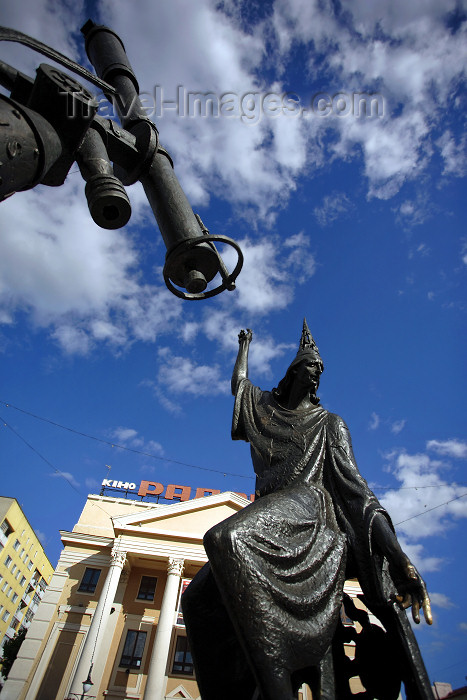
x: 241, y: 365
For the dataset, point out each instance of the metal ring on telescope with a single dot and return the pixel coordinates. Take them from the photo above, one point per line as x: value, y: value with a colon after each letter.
x: 228, y: 281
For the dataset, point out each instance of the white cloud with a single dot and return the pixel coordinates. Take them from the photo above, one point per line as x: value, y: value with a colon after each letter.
x: 181, y: 375
x: 398, y: 426
x: 333, y: 207
x: 414, y: 212
x: 42, y: 21
x: 271, y: 271
x: 417, y: 554
x: 263, y: 284
x: 189, y: 331
x: 450, y: 448
x: 74, y: 341
x: 423, y: 493
x: 441, y: 600
x: 416, y: 59
x: 453, y: 153
x: 374, y: 421
x: 129, y: 437
x: 75, y: 278
x: 124, y: 434
x: 67, y: 476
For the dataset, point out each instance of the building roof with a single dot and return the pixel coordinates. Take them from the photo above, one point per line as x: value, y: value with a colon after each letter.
x: 5, y: 503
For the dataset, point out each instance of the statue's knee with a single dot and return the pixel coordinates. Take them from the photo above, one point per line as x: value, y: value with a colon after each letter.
x: 219, y: 538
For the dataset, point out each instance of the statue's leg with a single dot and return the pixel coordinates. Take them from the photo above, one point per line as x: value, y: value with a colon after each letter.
x: 321, y: 679
x: 221, y: 668
x: 273, y: 681
x: 328, y: 684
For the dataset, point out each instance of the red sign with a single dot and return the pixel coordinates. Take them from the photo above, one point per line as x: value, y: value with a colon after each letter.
x: 172, y: 492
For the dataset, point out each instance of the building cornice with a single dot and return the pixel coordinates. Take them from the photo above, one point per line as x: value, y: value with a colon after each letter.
x: 160, y: 532
x: 84, y: 538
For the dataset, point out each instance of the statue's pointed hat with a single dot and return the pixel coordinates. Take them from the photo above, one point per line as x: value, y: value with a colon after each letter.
x: 307, y: 349
x: 307, y: 344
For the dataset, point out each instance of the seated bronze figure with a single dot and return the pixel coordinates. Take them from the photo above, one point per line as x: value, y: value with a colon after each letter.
x: 264, y: 616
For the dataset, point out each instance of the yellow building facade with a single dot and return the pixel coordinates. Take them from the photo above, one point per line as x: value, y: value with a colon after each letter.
x: 111, y: 613
x: 25, y: 570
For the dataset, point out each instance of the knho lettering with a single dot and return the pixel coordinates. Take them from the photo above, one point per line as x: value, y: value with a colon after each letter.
x: 125, y: 485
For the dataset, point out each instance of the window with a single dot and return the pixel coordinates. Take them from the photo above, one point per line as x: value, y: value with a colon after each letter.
x: 89, y: 581
x: 6, y: 528
x: 183, y: 663
x: 36, y: 599
x: 147, y: 588
x: 16, y: 545
x: 345, y: 619
x: 8, y: 561
x: 30, y: 565
x: 14, y: 597
x: 133, y: 649
x: 5, y: 586
x: 23, y: 581
x: 5, y: 616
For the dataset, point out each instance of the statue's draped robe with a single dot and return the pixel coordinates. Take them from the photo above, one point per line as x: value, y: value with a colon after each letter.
x: 308, y: 530
x: 274, y: 584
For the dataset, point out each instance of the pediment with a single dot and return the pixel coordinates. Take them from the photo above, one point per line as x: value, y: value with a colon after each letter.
x: 188, y: 519
x: 180, y: 692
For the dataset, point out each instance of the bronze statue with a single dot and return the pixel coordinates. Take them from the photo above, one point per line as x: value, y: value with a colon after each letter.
x: 264, y: 616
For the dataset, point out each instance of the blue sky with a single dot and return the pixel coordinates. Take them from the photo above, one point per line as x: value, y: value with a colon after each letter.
x: 356, y: 222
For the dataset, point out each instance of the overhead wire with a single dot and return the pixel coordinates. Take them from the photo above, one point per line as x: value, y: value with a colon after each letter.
x: 463, y: 495
x: 39, y: 454
x: 193, y: 466
x: 175, y: 461
x: 124, y: 447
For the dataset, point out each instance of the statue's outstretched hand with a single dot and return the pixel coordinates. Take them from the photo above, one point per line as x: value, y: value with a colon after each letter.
x: 412, y: 591
x: 245, y: 336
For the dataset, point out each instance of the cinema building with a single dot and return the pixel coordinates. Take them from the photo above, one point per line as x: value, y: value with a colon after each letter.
x: 109, y: 625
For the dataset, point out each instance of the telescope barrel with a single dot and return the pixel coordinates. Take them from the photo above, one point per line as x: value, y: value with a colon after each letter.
x: 107, y: 54
x: 107, y: 199
x: 174, y: 215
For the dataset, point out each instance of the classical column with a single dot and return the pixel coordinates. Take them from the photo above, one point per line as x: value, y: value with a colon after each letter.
x: 157, y: 679
x: 96, y: 630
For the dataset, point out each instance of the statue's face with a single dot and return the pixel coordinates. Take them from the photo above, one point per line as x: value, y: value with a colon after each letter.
x: 307, y: 374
